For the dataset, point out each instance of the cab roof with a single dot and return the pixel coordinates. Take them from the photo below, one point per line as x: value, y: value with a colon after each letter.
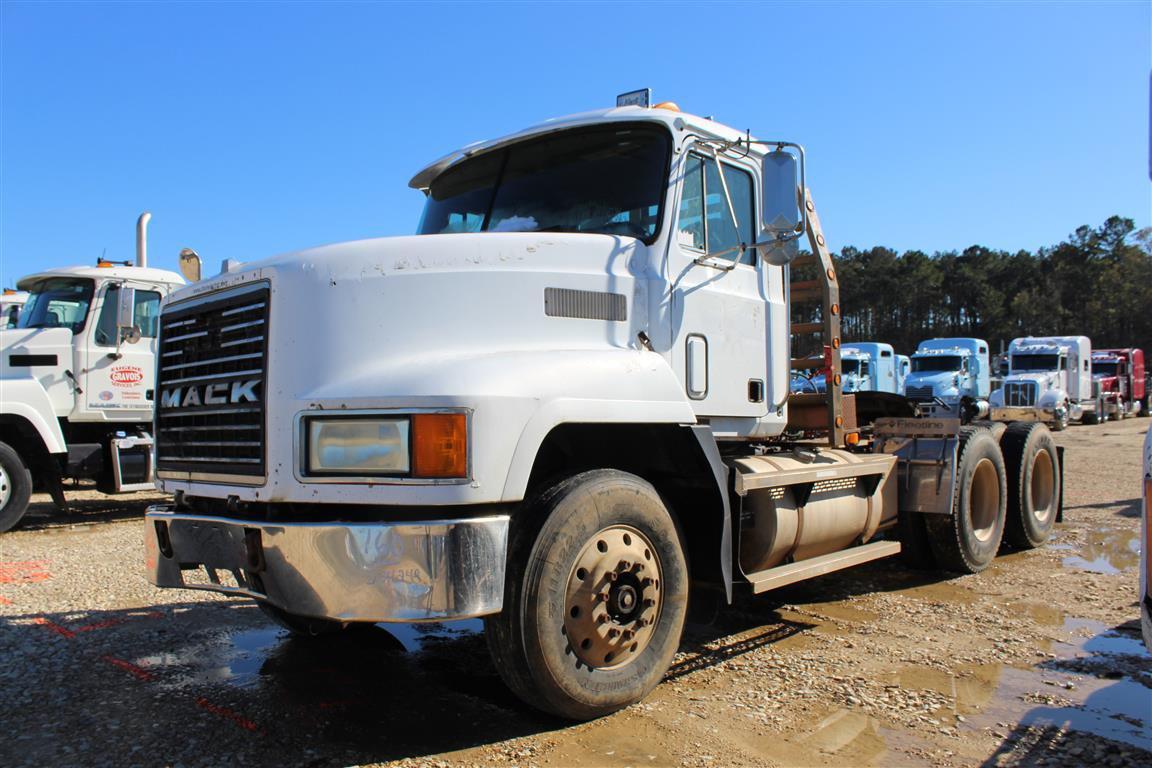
x: 117, y: 272
x: 673, y: 119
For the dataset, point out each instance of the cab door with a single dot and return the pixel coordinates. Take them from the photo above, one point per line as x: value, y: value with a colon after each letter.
x: 115, y: 380
x: 719, y: 313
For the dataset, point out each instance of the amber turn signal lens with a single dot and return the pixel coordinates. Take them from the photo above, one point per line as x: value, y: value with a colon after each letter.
x: 439, y: 445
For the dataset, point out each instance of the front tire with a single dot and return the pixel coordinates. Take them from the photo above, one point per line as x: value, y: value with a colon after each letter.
x: 967, y: 540
x: 595, y: 596
x: 1033, y: 475
x: 15, y: 488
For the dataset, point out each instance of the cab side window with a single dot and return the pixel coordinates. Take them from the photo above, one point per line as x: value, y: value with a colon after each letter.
x: 146, y: 315
x: 705, y: 223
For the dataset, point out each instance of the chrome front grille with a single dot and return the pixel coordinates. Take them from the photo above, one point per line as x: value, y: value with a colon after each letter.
x: 1019, y: 394
x: 919, y: 393
x: 211, y: 382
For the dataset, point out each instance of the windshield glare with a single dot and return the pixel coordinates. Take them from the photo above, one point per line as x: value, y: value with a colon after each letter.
x: 936, y: 363
x: 1035, y: 362
x: 57, y: 302
x: 608, y: 180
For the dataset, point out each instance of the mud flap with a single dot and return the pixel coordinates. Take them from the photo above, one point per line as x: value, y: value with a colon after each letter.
x: 1060, y: 501
x: 925, y: 450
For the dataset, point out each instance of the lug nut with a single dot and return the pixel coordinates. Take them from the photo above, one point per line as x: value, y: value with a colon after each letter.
x: 602, y: 597
x: 644, y: 622
x: 602, y: 618
x: 629, y: 634
x: 613, y: 633
x: 649, y: 602
x: 624, y: 565
x: 612, y: 576
x: 646, y: 583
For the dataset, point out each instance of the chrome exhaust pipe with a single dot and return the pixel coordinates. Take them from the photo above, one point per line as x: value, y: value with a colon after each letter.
x: 142, y: 239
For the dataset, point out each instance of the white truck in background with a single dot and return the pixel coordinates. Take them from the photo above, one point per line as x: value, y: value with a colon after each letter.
x: 562, y: 406
x: 866, y: 366
x: 1049, y: 379
x: 76, y: 380
x: 951, y: 377
x: 11, y: 302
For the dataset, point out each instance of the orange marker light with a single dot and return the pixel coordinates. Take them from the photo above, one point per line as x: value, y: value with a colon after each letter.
x: 852, y: 438
x: 439, y: 445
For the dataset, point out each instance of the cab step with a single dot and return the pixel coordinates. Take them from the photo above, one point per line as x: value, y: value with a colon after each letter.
x: 783, y: 575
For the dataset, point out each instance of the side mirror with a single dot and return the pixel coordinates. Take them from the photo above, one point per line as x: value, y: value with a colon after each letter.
x: 783, y: 219
x: 190, y: 265
x: 126, y: 328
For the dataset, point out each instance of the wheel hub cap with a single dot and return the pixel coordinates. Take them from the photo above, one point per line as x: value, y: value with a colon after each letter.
x: 5, y: 488
x: 612, y: 601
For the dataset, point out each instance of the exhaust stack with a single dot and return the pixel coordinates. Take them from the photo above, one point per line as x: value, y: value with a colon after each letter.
x: 142, y: 239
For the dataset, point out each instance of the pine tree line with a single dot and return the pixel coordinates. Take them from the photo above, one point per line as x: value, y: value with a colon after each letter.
x: 1097, y: 283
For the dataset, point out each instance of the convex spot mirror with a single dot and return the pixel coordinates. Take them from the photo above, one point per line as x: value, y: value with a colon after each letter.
x: 781, y: 214
x: 126, y: 327
x: 190, y: 265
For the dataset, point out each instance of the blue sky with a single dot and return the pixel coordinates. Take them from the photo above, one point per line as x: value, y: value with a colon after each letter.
x: 252, y: 129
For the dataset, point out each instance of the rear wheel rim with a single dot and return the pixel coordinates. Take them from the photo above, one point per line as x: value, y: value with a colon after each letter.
x: 984, y: 500
x: 1042, y: 486
x: 613, y: 598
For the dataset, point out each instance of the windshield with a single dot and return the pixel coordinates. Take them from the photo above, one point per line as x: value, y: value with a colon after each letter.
x: 609, y: 180
x: 1035, y: 362
x: 936, y: 363
x: 1106, y: 368
x: 852, y: 365
x: 57, y: 302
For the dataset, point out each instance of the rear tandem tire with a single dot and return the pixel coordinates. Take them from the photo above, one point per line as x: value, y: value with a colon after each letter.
x: 1033, y: 474
x: 595, y: 596
x: 967, y: 540
x: 15, y: 488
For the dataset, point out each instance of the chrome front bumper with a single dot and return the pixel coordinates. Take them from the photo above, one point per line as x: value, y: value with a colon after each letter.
x: 413, y: 571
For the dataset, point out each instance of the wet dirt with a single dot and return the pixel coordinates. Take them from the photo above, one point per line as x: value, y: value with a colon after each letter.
x: 1035, y: 661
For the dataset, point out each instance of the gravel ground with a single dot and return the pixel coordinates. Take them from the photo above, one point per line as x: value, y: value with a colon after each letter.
x: 1037, y: 661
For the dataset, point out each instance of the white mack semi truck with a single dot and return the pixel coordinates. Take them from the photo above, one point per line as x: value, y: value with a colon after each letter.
x: 76, y: 379
x: 562, y: 406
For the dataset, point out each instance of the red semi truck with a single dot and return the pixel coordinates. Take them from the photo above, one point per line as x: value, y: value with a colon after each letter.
x: 1122, y: 380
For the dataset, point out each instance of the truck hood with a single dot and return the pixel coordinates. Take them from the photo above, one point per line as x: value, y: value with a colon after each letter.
x: 425, y: 300
x: 42, y: 343
x: 1043, y: 379
x: 935, y: 379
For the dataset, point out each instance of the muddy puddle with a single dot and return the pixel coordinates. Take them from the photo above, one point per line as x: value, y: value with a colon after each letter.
x: 1105, y: 550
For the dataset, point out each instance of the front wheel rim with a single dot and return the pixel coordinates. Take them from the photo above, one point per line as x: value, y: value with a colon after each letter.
x: 5, y: 488
x: 612, y: 602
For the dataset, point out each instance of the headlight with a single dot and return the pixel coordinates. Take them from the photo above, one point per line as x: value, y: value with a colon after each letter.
x: 420, y: 445
x: 358, y: 446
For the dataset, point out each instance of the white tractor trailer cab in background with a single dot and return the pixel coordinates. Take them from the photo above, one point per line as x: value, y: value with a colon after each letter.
x: 575, y: 412
x: 76, y: 380
x: 866, y: 367
x: 951, y: 377
x: 1049, y: 379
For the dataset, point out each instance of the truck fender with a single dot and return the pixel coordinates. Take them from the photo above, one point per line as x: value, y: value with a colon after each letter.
x: 25, y: 398
x: 651, y: 395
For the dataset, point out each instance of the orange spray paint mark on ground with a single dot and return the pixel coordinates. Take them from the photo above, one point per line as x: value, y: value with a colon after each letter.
x: 133, y: 669
x: 24, y: 572
x: 227, y: 714
x: 54, y: 627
